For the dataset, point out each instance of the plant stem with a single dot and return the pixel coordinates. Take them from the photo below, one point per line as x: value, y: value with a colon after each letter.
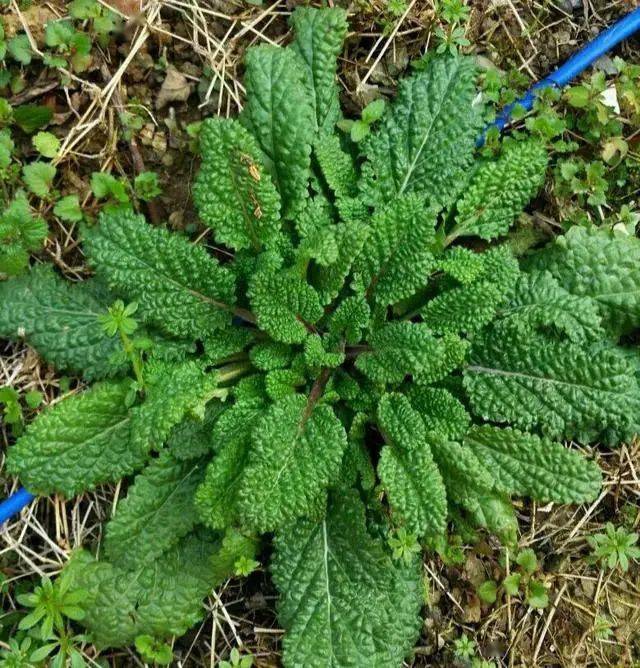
x: 231, y: 371
x: 134, y: 357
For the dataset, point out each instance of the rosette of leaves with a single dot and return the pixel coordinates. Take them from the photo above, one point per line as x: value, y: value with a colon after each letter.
x: 368, y: 360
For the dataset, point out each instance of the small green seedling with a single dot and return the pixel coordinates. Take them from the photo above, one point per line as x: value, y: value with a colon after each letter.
x: 12, y: 413
x: 236, y: 660
x: 107, y: 187
x: 404, y: 545
x: 615, y: 548
x: 518, y: 583
x: 359, y: 129
x: 69, y: 46
x: 147, y: 186
x: 464, y: 647
x: 153, y: 650
x: 20, y: 233
x: 46, y: 144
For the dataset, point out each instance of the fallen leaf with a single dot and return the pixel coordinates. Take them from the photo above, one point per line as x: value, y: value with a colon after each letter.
x: 127, y: 7
x: 175, y: 88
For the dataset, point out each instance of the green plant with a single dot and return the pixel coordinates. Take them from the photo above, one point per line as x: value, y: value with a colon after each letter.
x: 464, y: 647
x: 519, y: 580
x: 103, y: 20
x: 236, y: 660
x: 359, y: 129
x: 69, y: 46
x: 52, y: 604
x: 450, y: 36
x: 338, y: 367
x: 16, y: 654
x: 12, y: 413
x: 108, y: 187
x: 602, y: 627
x: 20, y: 234
x: 46, y: 144
x: 147, y: 186
x: 614, y: 548
x: 589, y: 128
x: 153, y: 651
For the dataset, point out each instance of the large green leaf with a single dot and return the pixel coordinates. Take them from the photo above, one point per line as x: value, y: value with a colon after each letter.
x: 440, y: 411
x: 343, y: 601
x: 279, y: 115
x: 563, y: 389
x: 179, y: 287
x: 161, y: 598
x: 500, y: 189
x: 157, y: 512
x: 427, y: 136
x: 171, y: 392
x: 283, y: 303
x: 469, y: 307
x: 218, y: 497
x: 233, y: 193
x: 539, y: 300
x: 471, y: 488
x: 528, y: 465
x: 407, y: 470
x: 295, y: 456
x: 397, y: 259
x: 79, y: 443
x: 60, y: 320
x: 319, y: 37
x: 602, y: 265
x: 402, y: 348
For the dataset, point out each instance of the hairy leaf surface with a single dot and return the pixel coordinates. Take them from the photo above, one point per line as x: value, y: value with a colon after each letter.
x: 592, y: 262
x: 233, y: 193
x: 407, y: 470
x: 528, y: 465
x: 319, y: 36
x: 162, y: 598
x: 156, y: 514
x: 500, y: 189
x: 178, y: 286
x: 397, y: 257
x: 79, y: 443
x: 280, y: 116
x: 296, y: 454
x: 60, y: 320
x: 540, y: 301
x: 344, y: 602
x: 427, y: 137
x: 563, y: 389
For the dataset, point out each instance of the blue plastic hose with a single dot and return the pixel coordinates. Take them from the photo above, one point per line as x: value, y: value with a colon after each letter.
x: 605, y: 41
x: 578, y: 63
x: 14, y: 504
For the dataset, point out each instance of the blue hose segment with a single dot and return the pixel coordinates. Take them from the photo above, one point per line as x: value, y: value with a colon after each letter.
x: 14, y: 504
x: 578, y: 63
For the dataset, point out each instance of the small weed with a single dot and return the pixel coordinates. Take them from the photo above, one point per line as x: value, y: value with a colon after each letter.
x: 615, y: 548
x: 464, y: 647
x: 518, y: 583
x: 153, y: 650
x: 236, y: 660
